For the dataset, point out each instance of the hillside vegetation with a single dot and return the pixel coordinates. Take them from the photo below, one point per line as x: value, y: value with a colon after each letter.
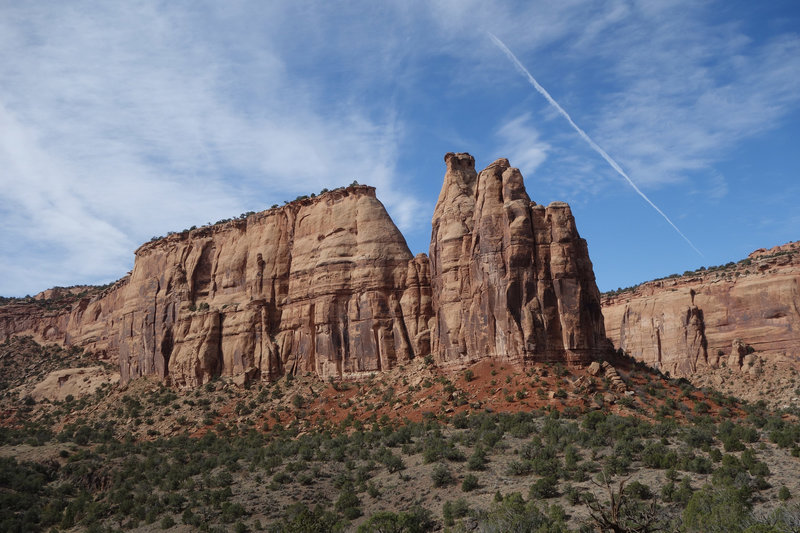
x: 494, y: 448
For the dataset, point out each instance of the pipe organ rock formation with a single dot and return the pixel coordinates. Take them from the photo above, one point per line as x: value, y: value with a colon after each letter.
x: 511, y: 279
x: 328, y: 285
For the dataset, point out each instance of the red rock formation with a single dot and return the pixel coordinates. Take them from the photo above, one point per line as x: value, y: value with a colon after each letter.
x: 328, y: 285
x: 318, y: 285
x: 314, y: 286
x: 511, y: 280
x: 686, y: 323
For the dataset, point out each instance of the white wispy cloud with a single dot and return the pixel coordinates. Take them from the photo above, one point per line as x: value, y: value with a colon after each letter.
x: 664, y: 88
x: 683, y: 103
x: 522, y: 145
x: 120, y: 121
x: 123, y: 121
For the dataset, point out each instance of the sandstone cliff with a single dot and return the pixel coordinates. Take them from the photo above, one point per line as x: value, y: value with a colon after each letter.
x: 328, y: 285
x: 511, y: 279
x: 687, y: 323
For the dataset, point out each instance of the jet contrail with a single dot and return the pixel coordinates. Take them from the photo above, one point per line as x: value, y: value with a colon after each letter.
x: 521, y: 68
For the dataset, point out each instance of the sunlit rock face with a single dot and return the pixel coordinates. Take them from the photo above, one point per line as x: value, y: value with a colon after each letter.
x: 328, y: 285
x: 510, y: 279
x: 684, y: 324
x: 315, y: 286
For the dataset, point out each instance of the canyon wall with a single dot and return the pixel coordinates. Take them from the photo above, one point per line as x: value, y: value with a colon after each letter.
x: 328, y: 285
x: 684, y: 324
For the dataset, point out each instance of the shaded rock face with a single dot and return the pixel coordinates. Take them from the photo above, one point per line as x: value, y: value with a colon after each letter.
x: 510, y: 279
x: 328, y: 285
x: 704, y: 320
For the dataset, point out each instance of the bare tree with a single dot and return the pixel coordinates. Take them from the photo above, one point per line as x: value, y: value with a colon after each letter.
x: 620, y: 514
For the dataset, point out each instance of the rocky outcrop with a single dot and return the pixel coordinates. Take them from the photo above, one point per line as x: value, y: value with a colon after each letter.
x: 687, y: 323
x: 75, y: 382
x: 737, y: 355
x: 511, y: 279
x: 315, y: 286
x: 328, y: 285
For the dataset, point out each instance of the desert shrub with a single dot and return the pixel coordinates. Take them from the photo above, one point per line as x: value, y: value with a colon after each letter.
x: 753, y: 465
x: 784, y: 435
x: 282, y: 478
x: 452, y: 510
x: 657, y: 455
x: 477, y: 461
x: 519, y: 468
x: 730, y: 430
x: 416, y: 520
x: 231, y: 512
x: 732, y: 444
x: 393, y: 463
x: 731, y: 472
x: 543, y: 488
x: 452, y: 453
x: 512, y: 513
x: 469, y: 483
x: 683, y: 492
x: 190, y: 519
x: 399, y: 436
x: 711, y: 510
x: 441, y: 475
x: 698, y: 464
x: 348, y: 504
x: 698, y: 436
x: 638, y: 490
x: 702, y: 408
x: 433, y: 448
x: 571, y: 457
x: 300, y: 519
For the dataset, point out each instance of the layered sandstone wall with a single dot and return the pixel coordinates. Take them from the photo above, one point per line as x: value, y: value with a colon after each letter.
x: 319, y: 285
x: 328, y: 285
x: 511, y: 279
x: 684, y: 324
x: 314, y: 286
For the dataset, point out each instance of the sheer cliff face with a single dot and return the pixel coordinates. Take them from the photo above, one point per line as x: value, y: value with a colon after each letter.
x: 510, y: 279
x: 315, y: 286
x: 688, y: 323
x: 328, y: 285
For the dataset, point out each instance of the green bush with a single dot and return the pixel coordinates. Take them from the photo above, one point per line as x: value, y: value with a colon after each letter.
x: 712, y: 509
x: 394, y: 463
x: 452, y: 510
x: 441, y: 476
x: 300, y: 519
x: 512, y: 513
x: 519, y: 468
x: 469, y: 483
x: 638, y: 490
x: 348, y: 504
x: 416, y: 520
x: 477, y: 461
x: 544, y: 488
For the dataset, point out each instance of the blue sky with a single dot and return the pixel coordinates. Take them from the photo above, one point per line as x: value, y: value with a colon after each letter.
x: 124, y: 120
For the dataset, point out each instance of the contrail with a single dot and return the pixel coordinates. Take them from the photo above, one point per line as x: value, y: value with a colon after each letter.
x: 521, y: 68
